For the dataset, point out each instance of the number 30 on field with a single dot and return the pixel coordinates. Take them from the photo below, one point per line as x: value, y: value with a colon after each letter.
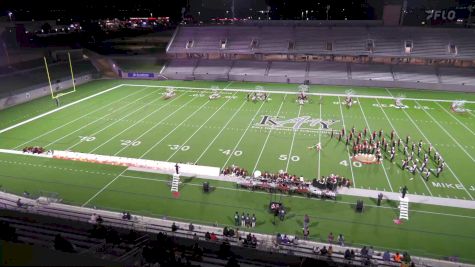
x: 356, y: 164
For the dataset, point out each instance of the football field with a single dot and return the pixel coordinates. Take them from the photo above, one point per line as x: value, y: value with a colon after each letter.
x: 133, y: 119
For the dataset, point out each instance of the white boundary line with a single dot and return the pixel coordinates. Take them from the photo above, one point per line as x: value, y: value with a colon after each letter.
x: 174, y: 129
x: 87, y: 114
x: 292, y: 144
x: 428, y: 141
x: 222, y: 129
x: 369, y: 129
x: 104, y: 188
x: 267, y: 138
x: 202, y: 125
x: 347, y: 149
x: 158, y: 123
x: 60, y: 108
x: 136, y: 122
x: 96, y: 120
x: 294, y: 92
x: 395, y: 131
x: 243, y: 134
x: 468, y: 129
x: 455, y: 140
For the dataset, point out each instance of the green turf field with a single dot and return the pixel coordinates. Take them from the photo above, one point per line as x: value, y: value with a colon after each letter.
x: 135, y: 121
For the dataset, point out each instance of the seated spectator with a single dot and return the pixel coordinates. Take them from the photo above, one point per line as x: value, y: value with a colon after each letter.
x: 397, y: 257
x: 207, y: 236
x: 353, y: 255
x: 19, y: 203
x: 279, y: 239
x: 230, y: 232
x: 364, y: 252
x: 195, y: 237
x: 330, y: 251
x: 126, y: 216
x: 99, y: 220
x: 370, y: 252
x: 213, y: 237
x: 386, y: 256
x: 405, y: 257
x: 174, y: 227
x: 254, y: 241
x: 347, y: 254
x: 324, y: 251
x: 93, y: 218
x: 316, y: 249
x: 191, y: 227
x: 225, y: 231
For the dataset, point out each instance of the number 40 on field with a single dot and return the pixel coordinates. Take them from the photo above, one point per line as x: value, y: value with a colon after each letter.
x: 356, y: 164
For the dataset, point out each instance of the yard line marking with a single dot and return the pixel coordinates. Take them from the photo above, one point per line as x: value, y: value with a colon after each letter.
x: 231, y: 82
x: 446, y: 164
x: 292, y: 144
x: 468, y: 129
x: 174, y: 129
x: 461, y: 147
x: 197, y: 130
x: 369, y: 129
x: 347, y: 149
x: 243, y: 134
x: 395, y: 131
x: 267, y: 138
x: 158, y: 123
x: 96, y: 120
x: 319, y: 142
x: 63, y: 125
x: 137, y: 122
x: 222, y: 129
x: 60, y: 108
x: 104, y: 188
x: 311, y: 94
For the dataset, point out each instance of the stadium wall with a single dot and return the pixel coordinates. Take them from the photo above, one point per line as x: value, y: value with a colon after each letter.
x: 23, y: 97
x: 322, y: 81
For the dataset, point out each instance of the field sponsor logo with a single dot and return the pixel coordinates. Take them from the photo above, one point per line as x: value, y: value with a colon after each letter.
x: 303, y: 123
x: 140, y: 75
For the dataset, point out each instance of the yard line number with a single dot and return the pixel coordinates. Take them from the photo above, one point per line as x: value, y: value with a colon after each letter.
x: 356, y: 164
x: 130, y: 142
x: 179, y: 147
x: 87, y: 138
x: 227, y: 152
x: 286, y: 157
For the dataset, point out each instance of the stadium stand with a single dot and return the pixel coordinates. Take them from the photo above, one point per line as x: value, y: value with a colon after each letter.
x: 367, y: 54
x: 130, y: 238
x: 33, y: 78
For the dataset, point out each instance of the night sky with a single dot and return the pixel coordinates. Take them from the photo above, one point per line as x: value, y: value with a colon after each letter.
x: 279, y: 9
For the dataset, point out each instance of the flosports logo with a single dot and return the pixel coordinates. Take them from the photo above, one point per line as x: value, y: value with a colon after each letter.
x: 298, y: 123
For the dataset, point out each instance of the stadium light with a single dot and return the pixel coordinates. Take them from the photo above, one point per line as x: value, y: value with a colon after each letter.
x: 10, y: 14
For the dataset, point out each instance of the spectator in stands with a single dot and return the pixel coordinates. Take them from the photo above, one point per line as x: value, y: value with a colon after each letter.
x: 330, y: 238
x: 225, y: 231
x: 213, y: 237
x: 341, y: 240
x: 370, y: 252
x: 347, y: 254
x: 126, y: 215
x: 397, y: 257
x: 19, y: 203
x: 279, y: 238
x: 330, y: 251
x: 191, y: 227
x: 364, y: 252
x: 93, y: 218
x: 174, y: 227
x: 406, y: 258
x: 195, y: 237
x: 99, y: 219
x: 353, y: 254
x: 323, y: 251
x: 254, y: 241
x: 207, y: 236
x: 386, y: 256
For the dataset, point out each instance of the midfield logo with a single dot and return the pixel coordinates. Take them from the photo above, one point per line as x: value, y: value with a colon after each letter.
x: 298, y: 123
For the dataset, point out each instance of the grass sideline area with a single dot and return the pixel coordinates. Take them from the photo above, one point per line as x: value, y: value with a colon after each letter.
x: 135, y: 121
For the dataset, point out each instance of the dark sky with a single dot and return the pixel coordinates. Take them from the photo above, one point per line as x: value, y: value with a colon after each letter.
x: 280, y: 9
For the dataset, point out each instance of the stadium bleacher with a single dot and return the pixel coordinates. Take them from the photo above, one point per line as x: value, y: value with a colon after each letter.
x: 388, y: 41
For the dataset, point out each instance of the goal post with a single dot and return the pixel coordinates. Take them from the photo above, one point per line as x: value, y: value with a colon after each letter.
x: 57, y: 95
